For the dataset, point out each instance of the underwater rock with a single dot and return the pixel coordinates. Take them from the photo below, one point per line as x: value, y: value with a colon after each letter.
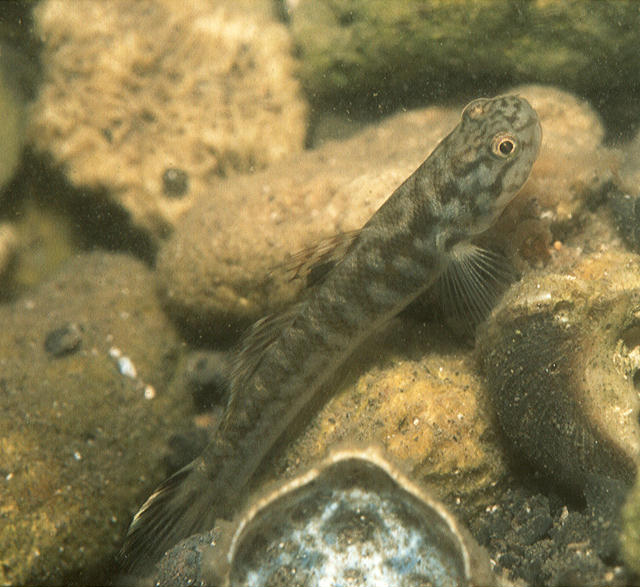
x: 358, y: 52
x: 63, y: 340
x: 134, y: 89
x: 412, y: 389
x: 8, y: 245
x: 630, y: 537
x: 352, y: 519
x: 81, y: 444
x: 225, y: 264
x: 44, y: 240
x: 561, y: 354
x: 206, y: 375
x: 13, y: 107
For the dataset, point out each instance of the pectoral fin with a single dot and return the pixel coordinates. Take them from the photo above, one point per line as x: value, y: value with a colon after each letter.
x: 472, y: 283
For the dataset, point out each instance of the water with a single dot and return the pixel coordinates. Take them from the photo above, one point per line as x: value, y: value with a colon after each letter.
x: 285, y: 123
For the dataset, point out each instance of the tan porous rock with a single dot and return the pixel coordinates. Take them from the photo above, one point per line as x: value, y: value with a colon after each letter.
x: 153, y: 101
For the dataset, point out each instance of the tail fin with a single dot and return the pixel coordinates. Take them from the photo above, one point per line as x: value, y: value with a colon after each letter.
x: 183, y: 505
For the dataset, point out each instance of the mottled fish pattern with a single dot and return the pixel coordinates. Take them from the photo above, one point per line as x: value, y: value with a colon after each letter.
x: 426, y: 225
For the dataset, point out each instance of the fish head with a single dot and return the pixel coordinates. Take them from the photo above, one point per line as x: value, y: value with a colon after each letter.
x: 489, y: 157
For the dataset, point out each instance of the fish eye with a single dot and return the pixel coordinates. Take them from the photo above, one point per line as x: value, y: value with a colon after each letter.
x: 503, y: 145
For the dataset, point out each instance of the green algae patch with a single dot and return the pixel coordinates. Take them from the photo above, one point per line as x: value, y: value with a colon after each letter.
x: 374, y: 52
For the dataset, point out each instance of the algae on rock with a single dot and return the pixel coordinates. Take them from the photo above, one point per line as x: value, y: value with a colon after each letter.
x: 375, y: 52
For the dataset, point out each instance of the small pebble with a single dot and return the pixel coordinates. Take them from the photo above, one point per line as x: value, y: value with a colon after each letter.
x: 175, y: 182
x: 115, y: 352
x: 207, y: 377
x: 127, y: 368
x: 124, y: 363
x: 64, y: 340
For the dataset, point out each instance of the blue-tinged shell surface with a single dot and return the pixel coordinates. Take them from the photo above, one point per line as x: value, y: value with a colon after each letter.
x: 354, y: 520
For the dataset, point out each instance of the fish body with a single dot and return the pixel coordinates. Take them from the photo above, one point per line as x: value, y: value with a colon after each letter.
x: 423, y: 227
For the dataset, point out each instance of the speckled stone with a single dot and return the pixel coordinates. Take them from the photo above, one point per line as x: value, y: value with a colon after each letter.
x: 353, y: 518
x: 63, y: 340
x: 561, y: 357
x: 81, y: 444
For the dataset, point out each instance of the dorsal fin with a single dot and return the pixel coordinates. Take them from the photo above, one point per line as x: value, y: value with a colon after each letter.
x: 313, y: 263
x: 256, y: 340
